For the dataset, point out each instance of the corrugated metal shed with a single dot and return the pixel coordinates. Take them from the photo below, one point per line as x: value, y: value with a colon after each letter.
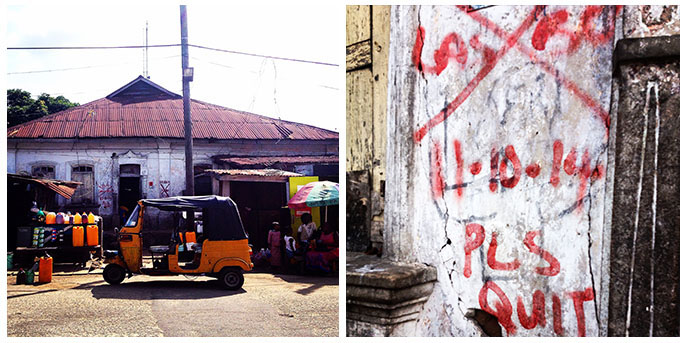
x: 253, y: 175
x: 266, y: 161
x: 253, y: 172
x: 152, y: 111
x: 64, y: 188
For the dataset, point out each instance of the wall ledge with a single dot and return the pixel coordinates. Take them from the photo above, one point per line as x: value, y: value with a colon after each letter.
x: 382, y: 294
x: 637, y: 49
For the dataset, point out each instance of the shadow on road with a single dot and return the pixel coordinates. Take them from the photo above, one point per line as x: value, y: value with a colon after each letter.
x: 31, y: 293
x: 167, y: 289
x: 315, y: 280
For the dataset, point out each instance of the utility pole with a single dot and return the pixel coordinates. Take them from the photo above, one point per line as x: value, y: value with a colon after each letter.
x: 146, y: 73
x: 187, y: 76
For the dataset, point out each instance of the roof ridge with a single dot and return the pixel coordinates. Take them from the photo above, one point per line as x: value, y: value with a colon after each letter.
x: 124, y: 117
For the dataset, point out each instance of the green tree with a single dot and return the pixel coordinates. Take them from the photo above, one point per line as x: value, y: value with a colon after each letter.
x: 56, y: 104
x: 22, y: 108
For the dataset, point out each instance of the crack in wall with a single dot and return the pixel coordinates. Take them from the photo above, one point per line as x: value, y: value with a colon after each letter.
x: 422, y: 39
x: 589, y: 254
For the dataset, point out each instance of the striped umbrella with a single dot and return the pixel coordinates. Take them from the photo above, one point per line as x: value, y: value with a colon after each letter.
x: 316, y: 194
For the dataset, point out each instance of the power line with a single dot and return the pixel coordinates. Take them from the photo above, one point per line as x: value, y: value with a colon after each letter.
x: 90, y: 47
x: 264, y: 56
x: 166, y: 46
x: 77, y: 68
x: 254, y: 72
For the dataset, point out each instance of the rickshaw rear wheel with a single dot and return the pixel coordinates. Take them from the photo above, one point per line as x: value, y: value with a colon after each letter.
x: 231, y: 278
x: 114, y: 274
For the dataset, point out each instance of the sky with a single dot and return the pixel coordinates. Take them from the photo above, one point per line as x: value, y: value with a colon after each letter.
x: 301, y: 92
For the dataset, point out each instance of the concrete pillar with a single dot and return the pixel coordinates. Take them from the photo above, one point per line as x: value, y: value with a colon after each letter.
x: 497, y: 147
x: 644, y: 273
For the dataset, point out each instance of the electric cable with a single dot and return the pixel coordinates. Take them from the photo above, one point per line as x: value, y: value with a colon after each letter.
x: 167, y: 46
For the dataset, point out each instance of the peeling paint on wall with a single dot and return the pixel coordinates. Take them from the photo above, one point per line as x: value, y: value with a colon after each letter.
x: 511, y: 114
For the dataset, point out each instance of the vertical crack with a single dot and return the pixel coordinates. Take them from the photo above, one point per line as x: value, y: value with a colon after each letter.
x: 589, y: 254
x: 422, y: 39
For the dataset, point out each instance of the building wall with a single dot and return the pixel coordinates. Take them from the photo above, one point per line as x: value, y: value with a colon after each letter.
x: 498, y: 154
x: 367, y: 49
x: 644, y: 297
x: 162, y: 161
x: 512, y: 164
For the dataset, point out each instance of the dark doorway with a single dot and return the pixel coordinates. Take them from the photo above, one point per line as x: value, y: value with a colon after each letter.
x: 203, y: 185
x: 129, y: 192
x: 259, y: 205
x: 202, y: 182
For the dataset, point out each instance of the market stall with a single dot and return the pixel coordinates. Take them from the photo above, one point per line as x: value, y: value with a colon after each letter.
x: 36, y: 226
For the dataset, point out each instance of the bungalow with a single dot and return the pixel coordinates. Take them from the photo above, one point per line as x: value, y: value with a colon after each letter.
x: 130, y: 145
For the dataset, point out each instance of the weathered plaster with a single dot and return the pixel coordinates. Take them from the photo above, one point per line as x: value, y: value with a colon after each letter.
x: 651, y: 21
x: 161, y: 161
x: 522, y: 101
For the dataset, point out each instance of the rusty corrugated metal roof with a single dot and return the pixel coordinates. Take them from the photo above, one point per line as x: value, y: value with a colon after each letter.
x: 272, y: 160
x: 161, y: 115
x: 63, y: 188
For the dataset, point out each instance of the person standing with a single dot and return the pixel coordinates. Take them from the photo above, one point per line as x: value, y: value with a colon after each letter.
x: 274, y: 243
x: 306, y: 230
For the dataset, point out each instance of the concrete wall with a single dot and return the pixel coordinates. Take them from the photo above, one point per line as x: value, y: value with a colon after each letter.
x: 161, y: 161
x: 497, y: 164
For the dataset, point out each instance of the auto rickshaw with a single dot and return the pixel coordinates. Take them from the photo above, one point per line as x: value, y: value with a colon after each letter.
x: 221, y: 249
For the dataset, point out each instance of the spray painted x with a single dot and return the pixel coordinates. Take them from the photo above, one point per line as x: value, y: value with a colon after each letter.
x: 510, y: 41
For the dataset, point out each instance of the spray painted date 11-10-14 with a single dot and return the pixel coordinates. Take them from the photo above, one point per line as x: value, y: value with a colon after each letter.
x: 498, y: 169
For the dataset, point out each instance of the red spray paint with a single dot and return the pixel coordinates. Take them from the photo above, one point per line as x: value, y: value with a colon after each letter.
x: 475, y: 168
x: 587, y: 99
x: 538, y: 316
x: 490, y: 61
x: 598, y: 172
x: 547, y: 27
x: 503, y: 310
x: 556, y: 307
x: 493, y: 182
x: 472, y: 244
x: 417, y: 48
x: 586, y: 29
x: 515, y: 161
x: 491, y: 256
x: 452, y: 48
x: 556, y: 163
x: 554, y: 266
x: 459, y: 168
x: 578, y: 298
x: 533, y: 170
x: 585, y: 173
x: 569, y: 164
x: 437, y: 171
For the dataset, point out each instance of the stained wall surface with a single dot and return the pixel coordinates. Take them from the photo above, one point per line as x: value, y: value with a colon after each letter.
x: 498, y: 144
x: 644, y: 292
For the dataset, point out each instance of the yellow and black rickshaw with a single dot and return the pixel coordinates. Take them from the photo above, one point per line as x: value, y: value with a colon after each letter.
x: 220, y: 249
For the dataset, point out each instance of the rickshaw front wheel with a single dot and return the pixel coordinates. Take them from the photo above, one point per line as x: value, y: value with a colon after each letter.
x: 114, y: 274
x: 231, y: 278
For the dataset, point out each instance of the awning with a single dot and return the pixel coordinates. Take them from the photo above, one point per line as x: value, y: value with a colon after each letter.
x: 264, y: 175
x: 270, y: 161
x: 64, y: 188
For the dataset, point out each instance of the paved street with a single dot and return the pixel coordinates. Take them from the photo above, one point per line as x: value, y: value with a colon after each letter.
x: 84, y: 305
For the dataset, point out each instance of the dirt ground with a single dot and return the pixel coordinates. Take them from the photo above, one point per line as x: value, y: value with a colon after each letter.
x: 77, y: 303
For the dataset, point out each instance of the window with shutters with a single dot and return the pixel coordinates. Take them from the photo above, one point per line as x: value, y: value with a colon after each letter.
x: 85, y: 192
x: 43, y: 171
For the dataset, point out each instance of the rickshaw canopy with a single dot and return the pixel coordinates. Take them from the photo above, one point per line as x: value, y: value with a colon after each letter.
x: 221, y: 220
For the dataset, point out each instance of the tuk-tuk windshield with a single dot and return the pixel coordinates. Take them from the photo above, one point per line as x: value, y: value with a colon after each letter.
x: 133, y: 218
